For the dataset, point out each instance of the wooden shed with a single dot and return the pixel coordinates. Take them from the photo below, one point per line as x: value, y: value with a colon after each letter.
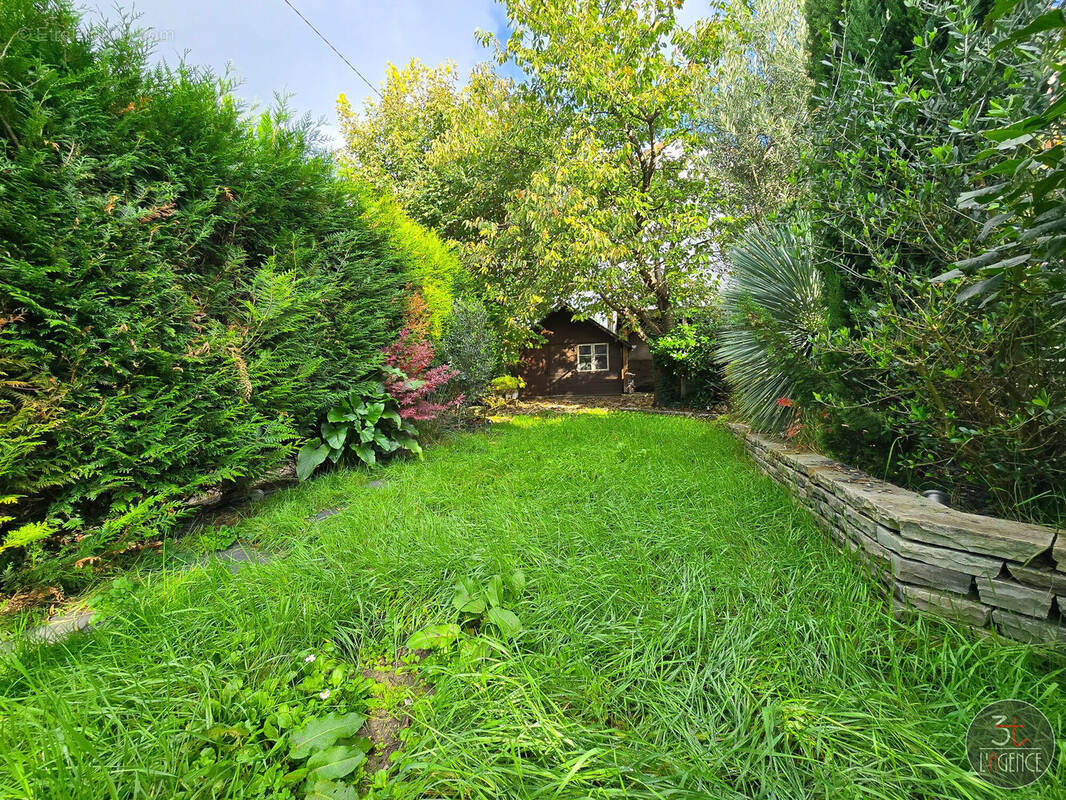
x: 579, y: 357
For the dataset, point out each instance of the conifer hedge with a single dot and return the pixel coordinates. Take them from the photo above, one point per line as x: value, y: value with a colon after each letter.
x: 182, y: 291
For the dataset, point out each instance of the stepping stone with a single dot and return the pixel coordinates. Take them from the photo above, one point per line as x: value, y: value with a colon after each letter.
x: 326, y: 513
x: 377, y: 484
x: 240, y: 554
x: 59, y: 628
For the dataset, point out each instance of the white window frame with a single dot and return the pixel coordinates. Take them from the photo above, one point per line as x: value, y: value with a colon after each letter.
x: 590, y: 364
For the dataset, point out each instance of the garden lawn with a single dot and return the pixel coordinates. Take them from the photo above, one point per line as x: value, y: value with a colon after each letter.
x: 688, y: 632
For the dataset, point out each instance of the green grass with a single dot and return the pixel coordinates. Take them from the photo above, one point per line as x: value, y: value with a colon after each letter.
x: 688, y: 633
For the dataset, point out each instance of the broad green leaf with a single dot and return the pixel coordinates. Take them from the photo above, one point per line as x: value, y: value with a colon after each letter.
x: 505, y: 620
x: 321, y: 732
x: 494, y: 591
x: 517, y: 582
x: 297, y: 775
x: 374, y: 412
x: 384, y: 442
x: 334, y: 434
x: 466, y: 600
x: 434, y: 637
x: 329, y: 790
x: 393, y: 415
x: 335, y: 762
x: 310, y: 456
x: 340, y: 414
x: 366, y: 454
x: 409, y: 443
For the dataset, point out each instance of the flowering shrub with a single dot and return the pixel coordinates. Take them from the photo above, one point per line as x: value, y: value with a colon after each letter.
x: 412, y: 382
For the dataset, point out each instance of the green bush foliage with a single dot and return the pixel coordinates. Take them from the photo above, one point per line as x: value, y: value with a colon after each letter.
x: 183, y: 291
x: 472, y: 347
x: 940, y: 359
x: 430, y: 264
x: 688, y: 370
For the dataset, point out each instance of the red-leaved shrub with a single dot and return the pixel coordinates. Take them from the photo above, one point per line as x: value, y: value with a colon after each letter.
x: 416, y: 382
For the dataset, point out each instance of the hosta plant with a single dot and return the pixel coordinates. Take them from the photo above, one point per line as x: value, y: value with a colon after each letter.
x: 366, y: 425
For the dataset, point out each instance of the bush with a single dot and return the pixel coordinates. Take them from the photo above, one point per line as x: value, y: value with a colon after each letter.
x: 921, y: 373
x: 182, y: 293
x: 507, y: 384
x: 471, y: 347
x: 688, y: 371
x: 418, y: 388
x: 367, y: 425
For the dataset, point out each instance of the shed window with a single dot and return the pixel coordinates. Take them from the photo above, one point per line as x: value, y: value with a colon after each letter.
x: 592, y: 357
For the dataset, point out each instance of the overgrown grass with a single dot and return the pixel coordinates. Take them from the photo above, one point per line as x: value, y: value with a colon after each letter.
x: 688, y: 633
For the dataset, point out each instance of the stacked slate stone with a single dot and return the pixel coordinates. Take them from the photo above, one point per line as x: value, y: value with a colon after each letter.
x: 973, y: 569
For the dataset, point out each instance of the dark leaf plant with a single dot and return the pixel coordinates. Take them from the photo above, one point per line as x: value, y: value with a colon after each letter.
x: 774, y: 307
x: 366, y: 425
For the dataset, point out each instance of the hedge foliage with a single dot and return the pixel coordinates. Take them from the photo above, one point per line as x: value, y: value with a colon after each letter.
x: 183, y: 291
x: 430, y: 262
x: 933, y: 349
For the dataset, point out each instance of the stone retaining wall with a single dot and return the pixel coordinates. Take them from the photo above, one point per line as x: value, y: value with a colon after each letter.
x: 982, y: 571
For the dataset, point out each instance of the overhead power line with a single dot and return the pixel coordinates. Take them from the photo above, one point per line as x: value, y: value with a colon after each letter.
x: 351, y: 66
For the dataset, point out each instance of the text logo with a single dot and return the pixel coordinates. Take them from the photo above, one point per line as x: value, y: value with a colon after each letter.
x: 1010, y: 743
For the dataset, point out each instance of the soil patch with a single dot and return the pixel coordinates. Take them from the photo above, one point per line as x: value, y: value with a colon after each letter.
x: 400, y: 685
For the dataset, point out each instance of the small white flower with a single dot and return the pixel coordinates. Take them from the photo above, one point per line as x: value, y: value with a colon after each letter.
x: 309, y: 659
x: 324, y: 695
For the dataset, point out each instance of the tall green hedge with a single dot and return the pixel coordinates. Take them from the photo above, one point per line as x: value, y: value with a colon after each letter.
x: 183, y: 290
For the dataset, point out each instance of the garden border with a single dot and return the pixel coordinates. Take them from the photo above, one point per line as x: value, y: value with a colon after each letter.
x: 978, y: 570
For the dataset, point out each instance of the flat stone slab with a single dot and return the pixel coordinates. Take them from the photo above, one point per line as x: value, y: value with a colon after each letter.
x: 326, y: 513
x: 1014, y: 596
x: 861, y: 521
x: 63, y: 626
x: 936, y: 524
x: 375, y: 484
x: 1044, y: 578
x: 239, y: 555
x: 922, y: 574
x: 938, y: 556
x: 943, y: 604
x: 1028, y: 629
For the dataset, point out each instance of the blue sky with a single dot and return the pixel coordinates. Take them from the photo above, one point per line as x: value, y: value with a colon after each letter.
x: 271, y: 50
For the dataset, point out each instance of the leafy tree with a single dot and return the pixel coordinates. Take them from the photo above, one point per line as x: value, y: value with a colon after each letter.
x: 615, y: 219
x: 448, y: 155
x: 473, y: 149
x: 386, y: 147
x: 756, y: 112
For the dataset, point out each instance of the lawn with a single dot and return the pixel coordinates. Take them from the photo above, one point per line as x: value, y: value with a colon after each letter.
x: 687, y: 632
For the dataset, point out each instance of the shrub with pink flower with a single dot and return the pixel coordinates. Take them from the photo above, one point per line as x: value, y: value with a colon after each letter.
x: 412, y: 382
